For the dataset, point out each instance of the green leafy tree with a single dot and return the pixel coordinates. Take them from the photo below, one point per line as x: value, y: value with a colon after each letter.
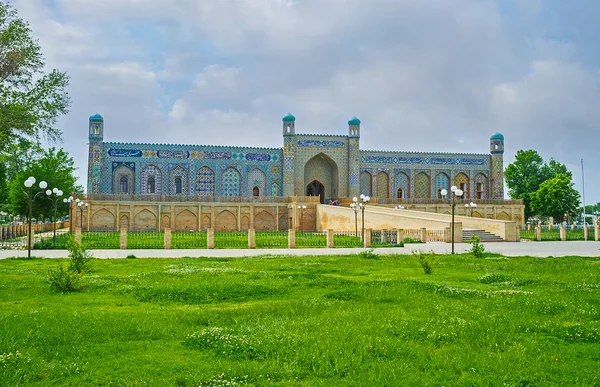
x: 56, y: 168
x: 555, y: 197
x: 30, y: 99
x: 524, y: 176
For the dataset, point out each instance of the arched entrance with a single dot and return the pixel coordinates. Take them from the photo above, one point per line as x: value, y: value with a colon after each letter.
x: 324, y: 171
x: 315, y: 188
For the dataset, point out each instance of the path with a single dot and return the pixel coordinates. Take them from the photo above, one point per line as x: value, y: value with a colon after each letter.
x: 510, y: 249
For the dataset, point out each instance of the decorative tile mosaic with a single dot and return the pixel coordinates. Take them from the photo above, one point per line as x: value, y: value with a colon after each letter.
x: 422, y: 186
x: 325, y: 143
x: 156, y: 173
x: 178, y: 171
x: 402, y: 182
x: 383, y: 185
x: 125, y: 153
x: 230, y: 182
x: 205, y: 181
x: 442, y: 181
x: 257, y: 178
x: 173, y: 154
x: 366, y: 183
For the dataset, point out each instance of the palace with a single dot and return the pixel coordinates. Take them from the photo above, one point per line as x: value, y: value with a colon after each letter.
x: 328, y: 166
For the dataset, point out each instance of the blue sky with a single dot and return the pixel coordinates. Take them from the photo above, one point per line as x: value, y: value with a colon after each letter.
x: 426, y: 75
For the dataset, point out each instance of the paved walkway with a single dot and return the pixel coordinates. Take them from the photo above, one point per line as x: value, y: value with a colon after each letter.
x: 510, y: 249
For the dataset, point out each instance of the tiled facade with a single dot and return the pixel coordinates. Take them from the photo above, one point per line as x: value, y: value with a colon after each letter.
x: 330, y: 165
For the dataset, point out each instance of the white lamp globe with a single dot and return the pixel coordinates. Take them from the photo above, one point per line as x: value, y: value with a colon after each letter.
x: 362, y: 196
x: 48, y: 192
x: 444, y: 192
x: 70, y: 197
x: 80, y: 204
x: 59, y: 193
x: 55, y: 190
x: 28, y: 183
x: 43, y: 184
x: 32, y: 180
x: 354, y: 199
x: 458, y: 192
x: 87, y: 204
x: 466, y: 205
x: 367, y: 198
x: 77, y: 200
x: 65, y: 200
x: 303, y: 207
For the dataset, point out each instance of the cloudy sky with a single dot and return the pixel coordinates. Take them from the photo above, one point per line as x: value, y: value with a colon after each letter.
x: 426, y: 75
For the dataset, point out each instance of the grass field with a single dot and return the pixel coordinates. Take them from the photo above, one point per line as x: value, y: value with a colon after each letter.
x: 304, y: 321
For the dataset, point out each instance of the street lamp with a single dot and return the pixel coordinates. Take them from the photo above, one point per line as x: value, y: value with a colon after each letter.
x: 399, y: 207
x: 355, y: 207
x: 58, y: 194
x: 30, y: 197
x: 455, y: 192
x: 301, y: 208
x: 361, y: 205
x: 469, y: 207
x: 81, y: 205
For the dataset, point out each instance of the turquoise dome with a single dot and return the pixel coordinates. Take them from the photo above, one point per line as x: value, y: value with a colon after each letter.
x: 96, y: 117
x: 497, y: 136
x: 289, y: 118
x: 354, y: 121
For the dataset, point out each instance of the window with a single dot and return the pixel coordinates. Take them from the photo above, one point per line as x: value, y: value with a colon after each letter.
x: 479, y: 190
x: 463, y: 187
x: 400, y: 193
x: 151, y: 185
x: 123, y: 185
x: 178, y: 185
x: 255, y: 191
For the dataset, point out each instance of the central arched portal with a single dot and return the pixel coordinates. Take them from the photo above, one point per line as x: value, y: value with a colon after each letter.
x: 321, y: 177
x: 315, y: 188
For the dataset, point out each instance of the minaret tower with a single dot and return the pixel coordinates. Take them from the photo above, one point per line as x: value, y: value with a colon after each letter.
x: 497, y: 167
x: 96, y: 139
x: 289, y: 151
x: 353, y: 157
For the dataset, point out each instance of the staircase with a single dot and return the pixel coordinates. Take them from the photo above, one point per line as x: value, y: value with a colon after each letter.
x: 484, y: 236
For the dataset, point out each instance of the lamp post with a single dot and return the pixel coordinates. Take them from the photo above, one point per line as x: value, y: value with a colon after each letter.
x: 469, y: 208
x: 81, y: 205
x: 58, y: 194
x: 355, y: 207
x: 361, y: 205
x: 301, y: 208
x: 455, y: 192
x: 30, y: 197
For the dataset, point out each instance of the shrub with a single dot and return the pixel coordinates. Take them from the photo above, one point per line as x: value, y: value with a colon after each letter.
x: 64, y: 280
x: 477, y: 248
x: 368, y: 254
x: 131, y: 256
x: 426, y: 260
x: 43, y: 244
x: 80, y: 257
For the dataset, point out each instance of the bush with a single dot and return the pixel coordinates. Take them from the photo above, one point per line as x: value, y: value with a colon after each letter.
x: 80, y: 257
x: 426, y: 260
x: 64, y: 280
x: 130, y: 256
x: 368, y: 254
x: 477, y: 249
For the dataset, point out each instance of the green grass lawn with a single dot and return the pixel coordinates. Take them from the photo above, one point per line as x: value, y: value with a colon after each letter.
x: 304, y: 321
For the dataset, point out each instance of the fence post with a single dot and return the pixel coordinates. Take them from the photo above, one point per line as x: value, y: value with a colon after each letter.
x: 563, y: 233
x: 448, y: 235
x: 167, y: 238
x: 123, y: 244
x: 367, y: 238
x: 329, y: 238
x: 586, y: 232
x: 291, y: 238
x: 423, y: 235
x: 251, y: 238
x: 597, y: 232
x: 538, y: 233
x: 550, y: 227
x: 210, y: 238
x: 78, y: 234
x: 573, y: 227
x: 400, y: 236
x: 529, y: 227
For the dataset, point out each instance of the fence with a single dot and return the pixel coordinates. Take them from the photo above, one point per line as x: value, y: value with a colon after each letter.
x: 10, y: 232
x: 561, y: 234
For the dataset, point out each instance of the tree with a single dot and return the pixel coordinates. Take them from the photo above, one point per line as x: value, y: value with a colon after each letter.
x: 30, y: 100
x: 54, y: 167
x: 555, y: 197
x: 527, y: 172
